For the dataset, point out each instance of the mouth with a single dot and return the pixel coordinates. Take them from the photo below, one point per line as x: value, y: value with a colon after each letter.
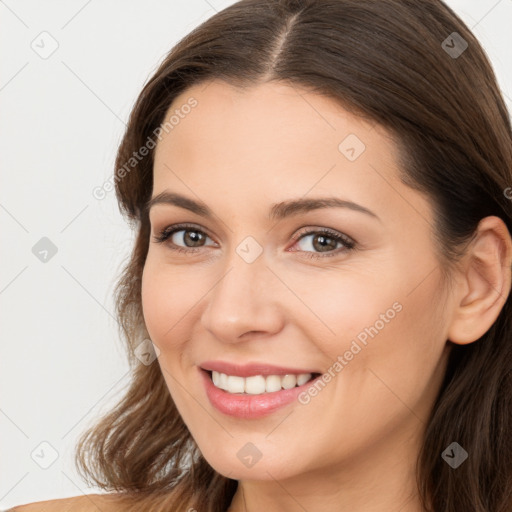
x: 258, y: 384
x: 255, y: 395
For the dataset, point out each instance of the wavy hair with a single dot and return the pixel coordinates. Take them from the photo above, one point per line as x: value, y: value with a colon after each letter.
x: 387, y: 61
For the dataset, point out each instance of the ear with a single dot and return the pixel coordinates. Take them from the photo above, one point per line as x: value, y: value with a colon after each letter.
x: 486, y: 280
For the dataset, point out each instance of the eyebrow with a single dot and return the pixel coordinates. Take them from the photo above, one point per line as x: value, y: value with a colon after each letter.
x: 278, y: 211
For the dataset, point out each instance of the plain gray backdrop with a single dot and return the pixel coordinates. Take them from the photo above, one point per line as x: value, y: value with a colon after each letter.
x: 70, y: 73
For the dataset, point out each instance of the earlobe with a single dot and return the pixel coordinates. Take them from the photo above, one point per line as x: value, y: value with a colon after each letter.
x: 486, y: 282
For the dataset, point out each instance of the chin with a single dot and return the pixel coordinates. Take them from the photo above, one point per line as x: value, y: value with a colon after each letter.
x: 246, y: 463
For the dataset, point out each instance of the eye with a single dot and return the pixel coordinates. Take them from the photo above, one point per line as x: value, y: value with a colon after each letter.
x: 192, y: 237
x: 324, y: 241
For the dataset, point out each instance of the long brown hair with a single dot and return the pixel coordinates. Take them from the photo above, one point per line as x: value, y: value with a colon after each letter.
x: 396, y: 63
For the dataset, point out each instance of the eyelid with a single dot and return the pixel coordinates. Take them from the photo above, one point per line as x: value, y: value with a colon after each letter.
x: 348, y: 242
x: 309, y: 230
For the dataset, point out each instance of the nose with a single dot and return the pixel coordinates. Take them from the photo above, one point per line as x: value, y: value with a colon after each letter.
x: 244, y: 302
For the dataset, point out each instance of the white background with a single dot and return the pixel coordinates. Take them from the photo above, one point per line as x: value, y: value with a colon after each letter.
x: 62, y: 362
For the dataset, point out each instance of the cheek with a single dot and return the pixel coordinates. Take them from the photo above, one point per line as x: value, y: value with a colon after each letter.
x: 339, y: 311
x: 170, y: 297
x: 383, y: 322
x: 402, y: 347
x: 164, y: 307
x: 163, y: 302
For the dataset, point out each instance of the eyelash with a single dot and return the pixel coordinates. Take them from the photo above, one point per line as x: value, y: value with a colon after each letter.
x: 349, y: 244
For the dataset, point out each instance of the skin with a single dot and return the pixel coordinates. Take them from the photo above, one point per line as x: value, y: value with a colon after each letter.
x: 353, y: 446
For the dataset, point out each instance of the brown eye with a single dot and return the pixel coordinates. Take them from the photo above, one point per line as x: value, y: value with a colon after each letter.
x: 326, y: 242
x: 191, y: 237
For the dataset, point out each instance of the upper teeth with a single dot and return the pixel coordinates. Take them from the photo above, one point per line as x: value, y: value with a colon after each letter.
x: 258, y: 384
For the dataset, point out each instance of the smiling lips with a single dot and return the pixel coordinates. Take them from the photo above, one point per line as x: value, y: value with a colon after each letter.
x: 255, y: 378
x: 253, y: 390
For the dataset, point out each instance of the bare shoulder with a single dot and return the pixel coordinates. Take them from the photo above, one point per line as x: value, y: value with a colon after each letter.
x: 84, y: 503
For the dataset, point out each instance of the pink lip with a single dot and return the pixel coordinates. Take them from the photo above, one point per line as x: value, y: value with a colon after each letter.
x: 245, y: 406
x: 248, y: 370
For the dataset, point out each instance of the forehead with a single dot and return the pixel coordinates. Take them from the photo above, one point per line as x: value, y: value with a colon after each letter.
x: 275, y: 141
x: 274, y: 114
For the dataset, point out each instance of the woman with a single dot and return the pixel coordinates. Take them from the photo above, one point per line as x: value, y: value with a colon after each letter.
x: 318, y: 300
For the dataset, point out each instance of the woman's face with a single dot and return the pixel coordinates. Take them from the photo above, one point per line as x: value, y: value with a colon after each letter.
x: 259, y: 282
